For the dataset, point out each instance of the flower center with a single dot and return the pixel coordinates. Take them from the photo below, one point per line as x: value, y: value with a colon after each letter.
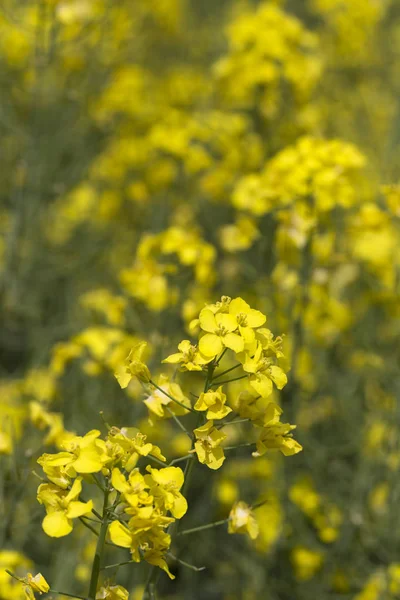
x: 242, y: 319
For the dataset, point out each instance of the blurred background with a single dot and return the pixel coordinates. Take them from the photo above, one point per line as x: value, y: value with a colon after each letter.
x: 155, y: 155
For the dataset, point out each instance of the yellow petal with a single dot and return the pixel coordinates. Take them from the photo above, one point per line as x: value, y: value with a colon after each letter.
x: 207, y: 320
x: 234, y: 342
x: 210, y: 344
x: 226, y: 321
x: 120, y: 535
x: 237, y: 306
x: 262, y: 385
x: 180, y: 506
x: 123, y: 376
x: 278, y: 377
x: 78, y: 509
x: 57, y: 524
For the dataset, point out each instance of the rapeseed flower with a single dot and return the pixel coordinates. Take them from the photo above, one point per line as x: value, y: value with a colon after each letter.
x: 34, y: 583
x: 62, y: 506
x: 214, y: 403
x: 242, y: 520
x: 208, y: 445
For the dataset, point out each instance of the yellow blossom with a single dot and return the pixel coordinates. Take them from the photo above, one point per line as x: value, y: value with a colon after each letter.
x: 188, y: 357
x: 213, y: 403
x: 134, y: 367
x: 207, y: 445
x: 34, y: 583
x: 276, y: 435
x: 242, y: 520
x: 62, y: 507
x: 219, y: 333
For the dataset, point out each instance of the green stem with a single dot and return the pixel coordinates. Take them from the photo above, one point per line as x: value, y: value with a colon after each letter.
x: 186, y: 564
x: 219, y: 383
x: 181, y: 459
x: 92, y: 529
x: 179, y: 423
x: 239, y: 446
x: 94, y: 579
x: 127, y: 562
x: 233, y: 423
x: 171, y: 397
x: 227, y: 371
x: 204, y: 527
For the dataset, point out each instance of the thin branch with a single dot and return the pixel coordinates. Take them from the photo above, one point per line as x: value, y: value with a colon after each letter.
x: 179, y: 423
x: 181, y: 459
x: 218, y: 383
x: 92, y: 529
x: 227, y: 371
x: 186, y: 564
x: 203, y: 527
x: 171, y: 397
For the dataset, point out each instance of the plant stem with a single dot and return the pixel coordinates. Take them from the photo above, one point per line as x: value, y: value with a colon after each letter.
x: 92, y: 529
x: 227, y: 371
x: 203, y: 527
x: 181, y: 459
x: 179, y: 423
x: 239, y: 446
x: 219, y: 383
x: 94, y: 579
x: 171, y: 397
x: 127, y: 562
x: 186, y: 564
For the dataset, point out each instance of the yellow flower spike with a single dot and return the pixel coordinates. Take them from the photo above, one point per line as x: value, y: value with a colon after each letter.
x: 62, y: 507
x: 167, y: 492
x: 34, y: 583
x: 189, y: 357
x: 214, y: 404
x: 134, y: 367
x: 276, y: 435
x: 220, y: 333
x: 112, y: 592
x: 207, y: 446
x: 242, y: 520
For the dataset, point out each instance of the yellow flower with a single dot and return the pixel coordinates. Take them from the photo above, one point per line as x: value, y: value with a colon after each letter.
x: 84, y: 454
x: 247, y: 318
x: 128, y: 445
x: 150, y: 545
x: 276, y: 435
x: 219, y: 328
x: 112, y: 592
x: 214, y: 404
x: 134, y: 367
x: 62, y: 506
x: 165, y: 487
x: 207, y: 446
x: 188, y: 356
x: 242, y: 520
x: 262, y: 372
x: 34, y: 583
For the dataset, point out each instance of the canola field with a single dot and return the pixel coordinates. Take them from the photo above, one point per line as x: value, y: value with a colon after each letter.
x: 200, y: 299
